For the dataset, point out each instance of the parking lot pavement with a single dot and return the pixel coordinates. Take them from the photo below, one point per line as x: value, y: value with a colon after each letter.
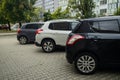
x: 28, y: 62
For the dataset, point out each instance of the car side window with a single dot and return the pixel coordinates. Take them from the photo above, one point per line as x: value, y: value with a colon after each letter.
x: 109, y: 26
x: 60, y: 26
x: 32, y: 26
x: 28, y: 26
x: 74, y: 24
x: 36, y: 26
x: 83, y: 27
x: 51, y: 26
x: 119, y: 21
x: 94, y: 26
x: 39, y: 25
x: 23, y: 26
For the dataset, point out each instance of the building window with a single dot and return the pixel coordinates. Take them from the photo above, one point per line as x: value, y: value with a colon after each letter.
x: 103, y: 2
x: 103, y: 11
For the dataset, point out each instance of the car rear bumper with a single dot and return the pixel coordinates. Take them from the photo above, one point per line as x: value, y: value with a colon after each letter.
x: 69, y: 55
x: 18, y: 37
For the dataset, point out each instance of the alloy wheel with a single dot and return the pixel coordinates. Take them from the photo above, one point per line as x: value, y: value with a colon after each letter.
x: 23, y: 40
x: 48, y: 46
x: 86, y: 63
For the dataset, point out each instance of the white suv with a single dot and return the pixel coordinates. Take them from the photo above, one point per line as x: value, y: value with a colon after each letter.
x: 54, y: 33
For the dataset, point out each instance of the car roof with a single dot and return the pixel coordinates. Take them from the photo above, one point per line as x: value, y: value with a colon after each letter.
x: 61, y: 20
x: 101, y: 18
x: 33, y: 23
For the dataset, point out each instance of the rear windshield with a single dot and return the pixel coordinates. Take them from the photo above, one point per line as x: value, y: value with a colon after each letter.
x: 32, y: 26
x: 75, y: 30
x: 74, y: 24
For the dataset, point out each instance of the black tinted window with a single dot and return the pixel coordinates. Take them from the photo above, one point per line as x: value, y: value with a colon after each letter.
x: 105, y: 26
x: 23, y: 26
x: 33, y: 26
x: 94, y: 26
x: 83, y: 27
x: 111, y: 25
x: 36, y: 26
x: 74, y: 24
x: 60, y: 26
x: 51, y: 26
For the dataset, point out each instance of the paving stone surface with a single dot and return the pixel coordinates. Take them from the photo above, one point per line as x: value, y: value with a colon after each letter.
x: 28, y: 62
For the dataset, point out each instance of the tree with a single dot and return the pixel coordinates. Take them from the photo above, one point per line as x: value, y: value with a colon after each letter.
x: 3, y: 18
x: 82, y: 7
x: 66, y: 13
x: 47, y: 16
x: 38, y: 14
x: 17, y: 10
x: 117, y: 12
x: 57, y: 13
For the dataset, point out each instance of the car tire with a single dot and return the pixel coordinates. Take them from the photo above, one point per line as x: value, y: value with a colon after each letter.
x: 48, y: 45
x: 23, y: 40
x: 86, y: 63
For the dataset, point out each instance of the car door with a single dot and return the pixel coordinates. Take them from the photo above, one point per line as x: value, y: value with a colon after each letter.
x: 61, y: 31
x: 30, y: 31
x: 109, y: 41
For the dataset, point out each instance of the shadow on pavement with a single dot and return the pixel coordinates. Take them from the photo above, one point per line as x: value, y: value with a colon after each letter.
x: 58, y: 49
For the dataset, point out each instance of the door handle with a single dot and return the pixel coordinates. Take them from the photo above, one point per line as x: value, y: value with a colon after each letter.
x: 95, y: 38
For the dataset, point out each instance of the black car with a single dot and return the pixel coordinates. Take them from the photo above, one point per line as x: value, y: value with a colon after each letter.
x: 27, y: 32
x: 93, y: 43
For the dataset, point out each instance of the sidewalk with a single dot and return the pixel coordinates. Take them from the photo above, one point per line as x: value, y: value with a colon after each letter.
x: 8, y: 34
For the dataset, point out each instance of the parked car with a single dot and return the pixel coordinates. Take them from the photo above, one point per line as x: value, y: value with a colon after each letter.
x: 94, y: 43
x: 54, y: 33
x: 0, y: 26
x: 27, y: 32
x: 4, y: 27
x: 15, y: 27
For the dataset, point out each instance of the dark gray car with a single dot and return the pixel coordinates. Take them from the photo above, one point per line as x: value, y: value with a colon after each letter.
x: 27, y: 32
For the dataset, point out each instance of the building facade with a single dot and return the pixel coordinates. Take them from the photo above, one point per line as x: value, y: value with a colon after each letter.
x: 106, y: 7
x: 39, y: 3
x: 51, y: 5
x: 63, y: 4
x: 102, y: 7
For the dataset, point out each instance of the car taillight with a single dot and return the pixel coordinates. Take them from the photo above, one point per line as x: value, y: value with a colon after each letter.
x: 72, y: 40
x: 19, y: 30
x: 38, y: 31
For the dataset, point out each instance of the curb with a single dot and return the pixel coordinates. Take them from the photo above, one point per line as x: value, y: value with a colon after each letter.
x: 7, y: 34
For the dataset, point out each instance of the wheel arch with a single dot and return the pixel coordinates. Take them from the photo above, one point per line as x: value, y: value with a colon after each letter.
x: 48, y: 39
x: 88, y: 51
x: 24, y: 36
